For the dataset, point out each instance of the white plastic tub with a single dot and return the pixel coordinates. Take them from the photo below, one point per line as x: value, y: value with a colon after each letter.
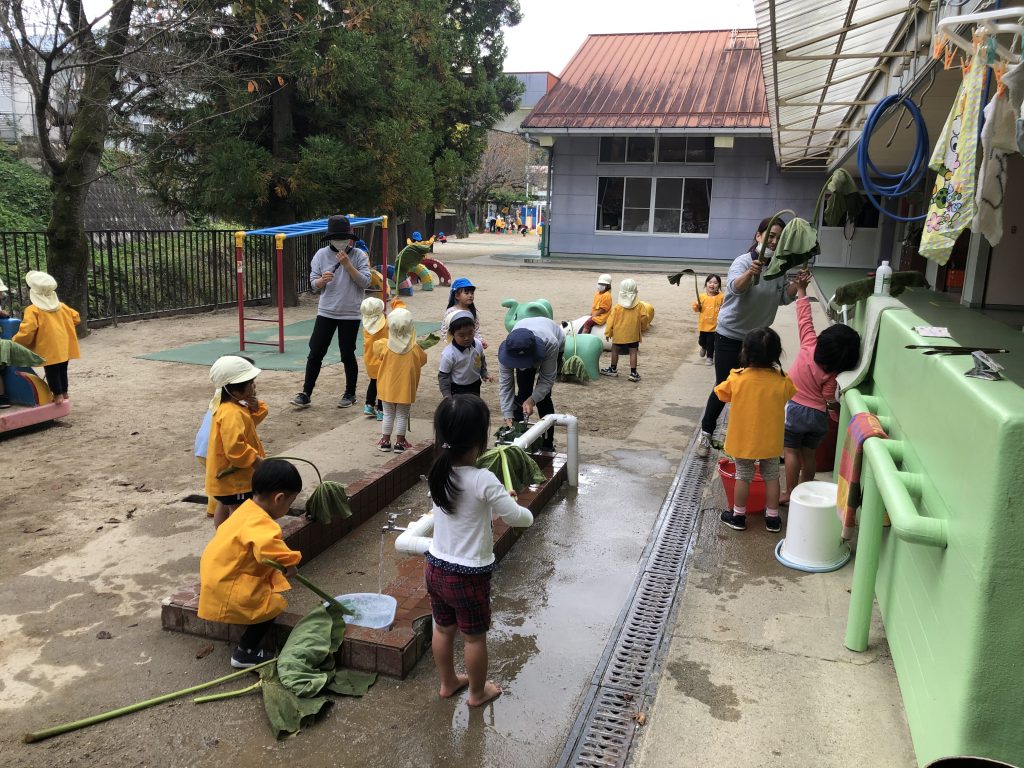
x: 813, y: 531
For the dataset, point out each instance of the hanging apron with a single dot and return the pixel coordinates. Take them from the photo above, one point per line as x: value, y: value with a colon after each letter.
x: 952, y: 207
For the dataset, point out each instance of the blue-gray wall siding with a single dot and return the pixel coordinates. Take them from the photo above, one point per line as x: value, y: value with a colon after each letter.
x: 739, y: 200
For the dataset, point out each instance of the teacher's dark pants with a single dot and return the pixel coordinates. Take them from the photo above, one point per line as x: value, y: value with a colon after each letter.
x: 525, y: 380
x: 727, y: 357
x: 320, y: 342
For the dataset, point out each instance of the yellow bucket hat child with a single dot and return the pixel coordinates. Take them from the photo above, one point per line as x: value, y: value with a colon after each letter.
x: 230, y: 369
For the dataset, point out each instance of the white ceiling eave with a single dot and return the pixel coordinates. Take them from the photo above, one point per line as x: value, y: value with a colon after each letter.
x: 819, y: 58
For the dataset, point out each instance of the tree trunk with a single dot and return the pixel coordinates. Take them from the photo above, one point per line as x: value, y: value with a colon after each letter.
x: 461, y: 211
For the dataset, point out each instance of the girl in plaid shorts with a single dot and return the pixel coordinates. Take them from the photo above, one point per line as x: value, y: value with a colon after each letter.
x: 461, y: 555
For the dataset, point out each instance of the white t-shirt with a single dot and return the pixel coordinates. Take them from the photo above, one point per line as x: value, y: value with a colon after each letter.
x: 464, y: 537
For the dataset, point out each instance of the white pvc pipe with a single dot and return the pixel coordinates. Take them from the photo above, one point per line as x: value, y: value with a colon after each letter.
x: 415, y: 539
x: 572, y: 438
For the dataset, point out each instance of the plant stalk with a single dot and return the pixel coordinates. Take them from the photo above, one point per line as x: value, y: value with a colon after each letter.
x: 31, y: 738
x: 308, y: 584
x: 228, y: 694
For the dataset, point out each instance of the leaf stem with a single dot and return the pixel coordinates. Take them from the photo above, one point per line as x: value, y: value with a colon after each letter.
x: 31, y: 738
x: 227, y: 694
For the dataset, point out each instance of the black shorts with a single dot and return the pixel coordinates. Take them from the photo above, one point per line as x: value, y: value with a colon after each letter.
x: 235, y: 499
x: 624, y: 348
x: 805, y: 427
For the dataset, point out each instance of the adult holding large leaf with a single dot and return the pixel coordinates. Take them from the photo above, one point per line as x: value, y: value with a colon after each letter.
x: 341, y: 273
x: 528, y: 362
x: 750, y: 303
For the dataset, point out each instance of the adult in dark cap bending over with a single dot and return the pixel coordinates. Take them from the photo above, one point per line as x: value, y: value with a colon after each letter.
x: 528, y: 361
x: 341, y: 273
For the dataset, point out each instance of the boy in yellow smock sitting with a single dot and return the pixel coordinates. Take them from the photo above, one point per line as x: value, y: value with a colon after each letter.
x: 235, y: 587
x: 626, y: 324
x: 602, y: 305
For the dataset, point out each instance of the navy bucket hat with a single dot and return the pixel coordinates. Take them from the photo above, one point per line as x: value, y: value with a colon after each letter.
x: 520, y: 349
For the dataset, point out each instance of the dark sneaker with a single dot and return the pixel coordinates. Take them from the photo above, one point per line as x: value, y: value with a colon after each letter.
x: 5, y: 401
x: 773, y: 523
x: 609, y: 371
x: 243, y: 658
x: 734, y: 521
x: 401, y: 444
x: 703, y: 445
x: 301, y: 400
x: 347, y: 401
x: 634, y: 376
x: 384, y: 446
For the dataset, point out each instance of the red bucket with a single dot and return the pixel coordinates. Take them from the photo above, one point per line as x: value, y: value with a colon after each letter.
x: 756, y: 501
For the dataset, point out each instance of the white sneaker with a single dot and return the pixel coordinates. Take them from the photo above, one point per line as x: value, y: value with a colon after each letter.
x: 703, y: 445
x: 703, y: 352
x: 709, y: 361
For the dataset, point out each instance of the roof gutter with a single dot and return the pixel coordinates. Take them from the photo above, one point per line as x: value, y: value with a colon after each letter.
x: 609, y: 131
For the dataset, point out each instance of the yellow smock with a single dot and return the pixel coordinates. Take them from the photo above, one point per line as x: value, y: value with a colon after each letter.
x: 757, y: 418
x: 370, y: 360
x: 601, y: 307
x: 399, y: 375
x: 234, y: 587
x: 710, y: 306
x: 233, y: 443
x: 51, y: 335
x: 625, y: 326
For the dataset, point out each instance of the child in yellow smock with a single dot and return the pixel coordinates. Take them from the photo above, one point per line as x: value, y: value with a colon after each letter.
x: 625, y: 327
x: 235, y: 586
x: 398, y: 378
x: 758, y: 392
x: 601, y: 307
x: 48, y: 329
x: 708, y: 306
x: 234, y: 444
x: 375, y: 327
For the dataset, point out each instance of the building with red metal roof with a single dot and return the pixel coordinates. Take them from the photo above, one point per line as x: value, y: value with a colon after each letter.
x: 661, y: 147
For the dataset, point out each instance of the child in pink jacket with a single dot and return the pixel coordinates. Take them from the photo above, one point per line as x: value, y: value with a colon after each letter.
x: 820, y: 359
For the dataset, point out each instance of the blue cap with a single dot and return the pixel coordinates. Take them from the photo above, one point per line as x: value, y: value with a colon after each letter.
x: 520, y: 349
x: 440, y: 234
x: 416, y: 236
x: 460, y: 283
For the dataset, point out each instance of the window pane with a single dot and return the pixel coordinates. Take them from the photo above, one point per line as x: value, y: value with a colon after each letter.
x: 668, y: 193
x: 609, y: 203
x: 700, y: 150
x: 636, y: 220
x: 667, y: 220
x: 640, y: 149
x: 613, y: 150
x: 672, y: 149
x: 696, y: 205
x: 638, y: 193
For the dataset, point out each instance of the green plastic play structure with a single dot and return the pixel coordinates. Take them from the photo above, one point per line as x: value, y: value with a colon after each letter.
x: 949, y: 572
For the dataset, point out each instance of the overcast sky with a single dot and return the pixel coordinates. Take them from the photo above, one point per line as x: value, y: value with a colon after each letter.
x: 553, y: 30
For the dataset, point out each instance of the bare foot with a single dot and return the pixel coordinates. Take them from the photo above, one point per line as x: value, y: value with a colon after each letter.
x: 783, y: 499
x: 491, y: 691
x: 447, y: 693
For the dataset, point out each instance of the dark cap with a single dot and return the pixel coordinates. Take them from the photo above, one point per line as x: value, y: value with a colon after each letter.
x: 520, y: 349
x: 339, y: 228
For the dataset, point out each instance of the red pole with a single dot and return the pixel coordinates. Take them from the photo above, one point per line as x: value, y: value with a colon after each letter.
x: 384, y: 265
x: 240, y: 288
x: 279, y: 266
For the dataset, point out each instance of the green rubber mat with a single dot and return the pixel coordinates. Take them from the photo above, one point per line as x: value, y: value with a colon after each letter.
x: 296, y: 347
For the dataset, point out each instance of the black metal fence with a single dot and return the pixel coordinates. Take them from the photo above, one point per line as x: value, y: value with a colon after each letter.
x: 145, y: 273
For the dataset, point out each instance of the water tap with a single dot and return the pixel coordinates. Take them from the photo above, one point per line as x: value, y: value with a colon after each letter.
x: 391, y: 524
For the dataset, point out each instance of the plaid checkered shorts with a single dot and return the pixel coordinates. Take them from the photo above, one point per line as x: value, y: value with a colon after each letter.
x: 460, y: 598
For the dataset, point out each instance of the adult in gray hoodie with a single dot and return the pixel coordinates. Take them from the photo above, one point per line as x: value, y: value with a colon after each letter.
x: 341, y: 273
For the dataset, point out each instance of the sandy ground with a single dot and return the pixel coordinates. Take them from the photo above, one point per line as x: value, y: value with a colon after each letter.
x: 98, y: 532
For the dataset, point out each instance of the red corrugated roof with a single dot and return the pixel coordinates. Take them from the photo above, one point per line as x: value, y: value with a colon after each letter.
x: 659, y: 80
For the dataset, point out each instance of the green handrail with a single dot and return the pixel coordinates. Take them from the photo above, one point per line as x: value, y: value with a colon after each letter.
x: 887, y: 489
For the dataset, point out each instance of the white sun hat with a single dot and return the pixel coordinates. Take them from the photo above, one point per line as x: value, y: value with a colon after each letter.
x: 401, y: 331
x: 628, y: 293
x: 372, y: 310
x: 42, y: 290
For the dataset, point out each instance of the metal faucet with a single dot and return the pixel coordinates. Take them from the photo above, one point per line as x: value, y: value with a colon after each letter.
x: 391, y: 524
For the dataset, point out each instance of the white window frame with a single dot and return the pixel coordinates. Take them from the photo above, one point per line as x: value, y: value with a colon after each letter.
x: 650, y: 207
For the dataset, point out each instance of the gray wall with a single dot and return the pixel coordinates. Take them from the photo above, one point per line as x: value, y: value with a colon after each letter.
x: 739, y: 200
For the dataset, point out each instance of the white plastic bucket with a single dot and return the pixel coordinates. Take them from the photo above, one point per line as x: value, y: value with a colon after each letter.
x: 813, y: 530
x: 370, y: 609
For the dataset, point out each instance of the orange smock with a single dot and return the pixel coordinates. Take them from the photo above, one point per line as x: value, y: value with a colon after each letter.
x: 601, y: 307
x: 233, y: 443
x: 51, y: 335
x: 710, y: 306
x: 399, y: 375
x: 370, y: 360
x: 625, y: 326
x: 757, y: 418
x: 234, y: 587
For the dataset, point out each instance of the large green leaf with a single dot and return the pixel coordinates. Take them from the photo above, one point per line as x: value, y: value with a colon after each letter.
x: 308, y: 654
x: 287, y: 712
x: 351, y: 682
x: 522, y: 469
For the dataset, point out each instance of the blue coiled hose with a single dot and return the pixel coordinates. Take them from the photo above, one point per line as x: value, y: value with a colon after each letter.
x: 912, y: 176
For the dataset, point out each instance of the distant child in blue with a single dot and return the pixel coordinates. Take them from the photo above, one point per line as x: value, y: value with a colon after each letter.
x: 463, y: 365
x: 462, y: 297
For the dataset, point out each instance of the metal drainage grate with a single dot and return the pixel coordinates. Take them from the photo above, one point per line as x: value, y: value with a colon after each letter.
x: 604, y: 729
